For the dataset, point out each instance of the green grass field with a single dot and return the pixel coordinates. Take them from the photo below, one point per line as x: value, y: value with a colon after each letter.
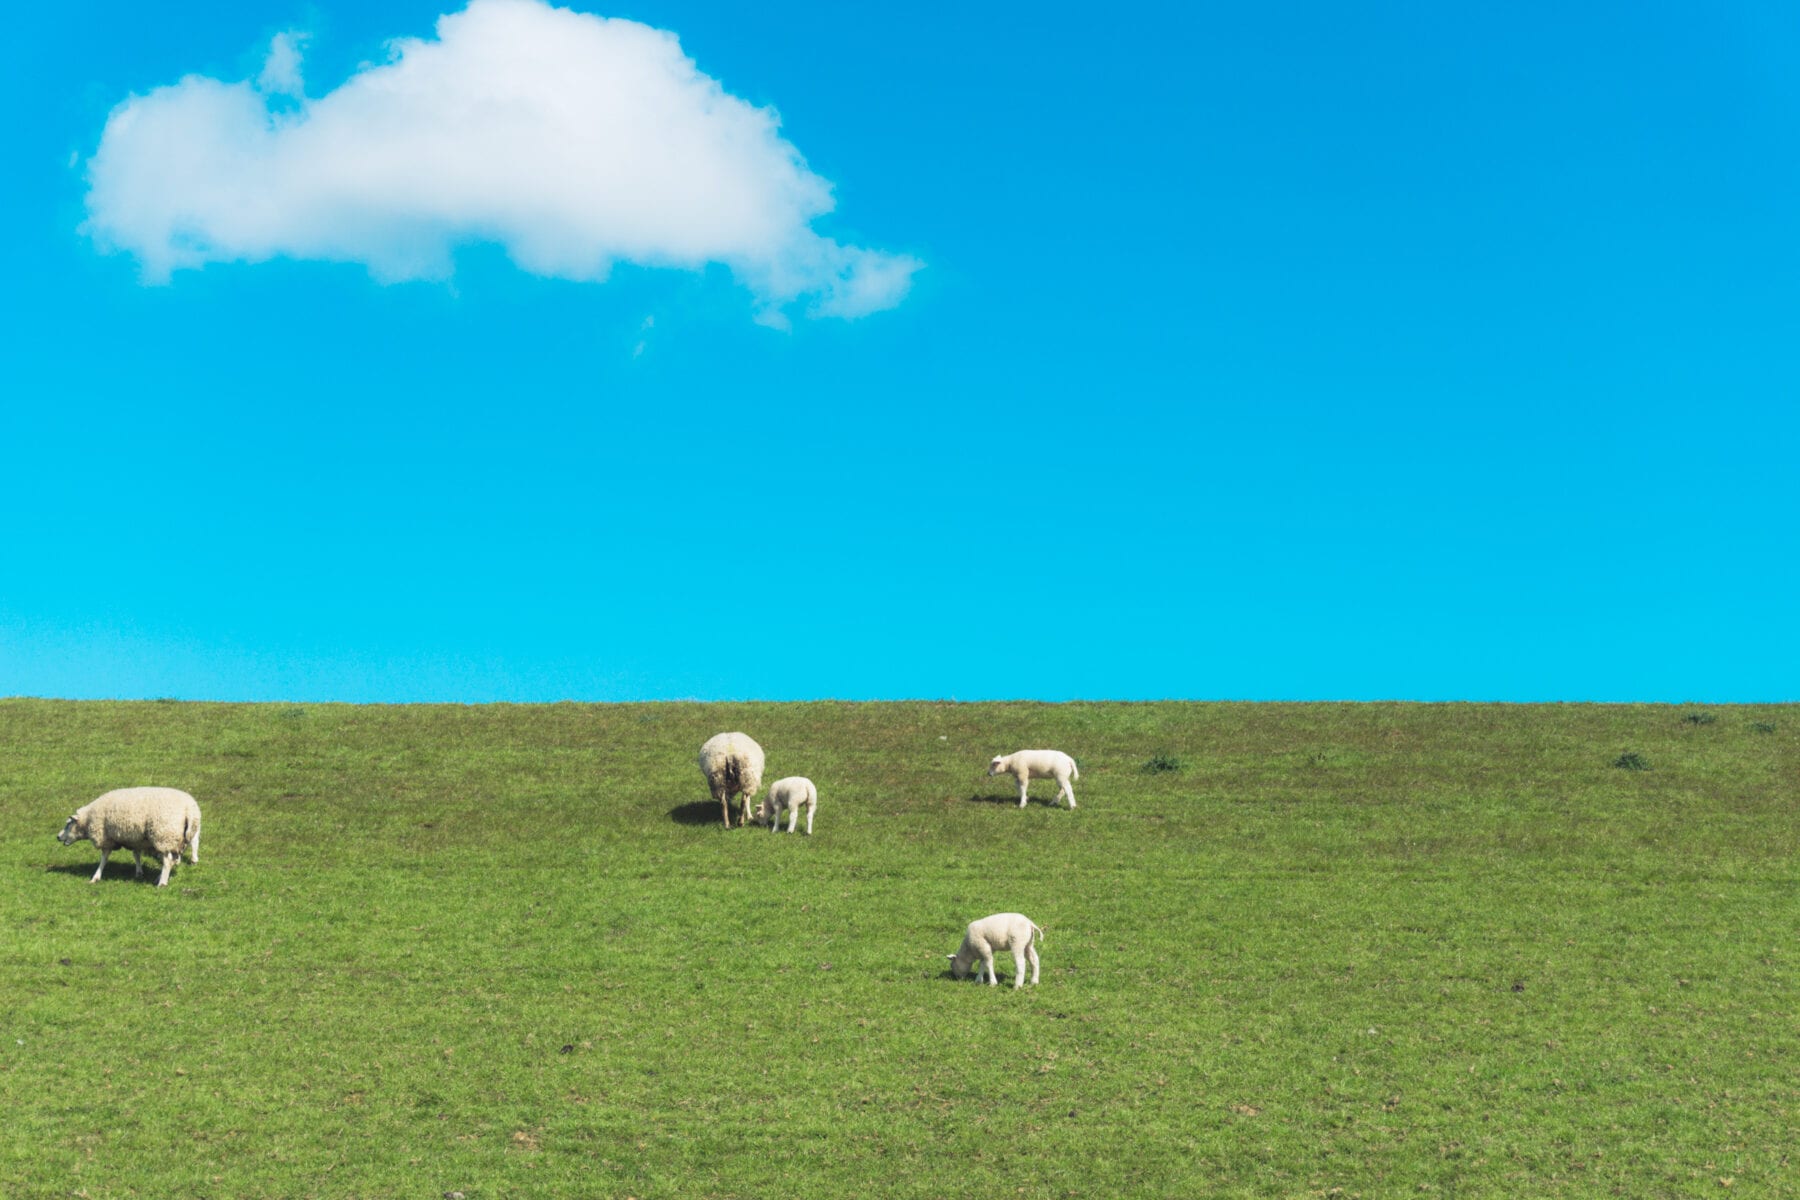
x: 1328, y: 950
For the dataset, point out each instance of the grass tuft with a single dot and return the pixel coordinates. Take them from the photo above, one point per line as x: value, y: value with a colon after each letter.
x: 1157, y: 764
x: 1631, y: 760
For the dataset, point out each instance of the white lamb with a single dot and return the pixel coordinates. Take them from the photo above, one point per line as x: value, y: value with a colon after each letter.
x: 733, y: 765
x: 1003, y: 931
x: 144, y: 820
x: 1026, y: 765
x: 789, y: 795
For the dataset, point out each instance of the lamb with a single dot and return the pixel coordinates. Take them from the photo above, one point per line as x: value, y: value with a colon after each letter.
x: 1026, y: 765
x: 791, y: 794
x: 144, y: 820
x: 1002, y: 931
x: 733, y: 765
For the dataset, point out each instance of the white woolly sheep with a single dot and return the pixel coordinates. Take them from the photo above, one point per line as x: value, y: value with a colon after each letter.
x: 1026, y: 765
x: 1003, y: 931
x: 789, y: 795
x: 733, y: 765
x: 144, y: 820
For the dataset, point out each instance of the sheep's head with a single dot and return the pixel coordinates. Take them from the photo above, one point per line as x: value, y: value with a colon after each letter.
x: 74, y: 830
x: 763, y: 811
x: 997, y: 765
x: 959, y: 966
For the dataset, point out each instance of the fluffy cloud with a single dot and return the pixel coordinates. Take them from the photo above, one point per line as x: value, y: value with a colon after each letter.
x: 572, y: 140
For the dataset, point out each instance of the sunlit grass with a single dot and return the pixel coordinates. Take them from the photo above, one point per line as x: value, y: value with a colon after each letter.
x: 509, y: 951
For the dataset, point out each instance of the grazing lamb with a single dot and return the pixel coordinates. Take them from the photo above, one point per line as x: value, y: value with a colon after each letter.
x: 1026, y: 765
x: 144, y: 820
x: 733, y: 765
x: 790, y: 795
x: 1002, y: 931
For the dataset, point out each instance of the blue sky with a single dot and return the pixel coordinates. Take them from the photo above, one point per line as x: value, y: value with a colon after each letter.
x: 1253, y: 352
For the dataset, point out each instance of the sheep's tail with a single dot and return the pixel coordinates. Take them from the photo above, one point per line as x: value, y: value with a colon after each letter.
x: 1037, y: 931
x: 1074, y: 769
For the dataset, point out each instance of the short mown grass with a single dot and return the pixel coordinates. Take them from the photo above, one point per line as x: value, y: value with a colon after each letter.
x: 1344, y: 950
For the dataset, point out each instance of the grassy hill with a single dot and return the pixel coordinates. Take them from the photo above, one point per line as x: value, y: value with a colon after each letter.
x: 1292, y: 950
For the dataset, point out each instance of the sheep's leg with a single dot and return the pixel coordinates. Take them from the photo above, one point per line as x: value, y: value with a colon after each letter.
x: 1018, y: 969
x: 987, y: 964
x: 1032, y: 954
x: 101, y: 869
x: 194, y: 847
x: 138, y: 861
x: 810, y: 809
x: 1068, y: 791
x: 724, y: 799
x: 794, y: 819
x: 168, y: 861
x: 1024, y: 784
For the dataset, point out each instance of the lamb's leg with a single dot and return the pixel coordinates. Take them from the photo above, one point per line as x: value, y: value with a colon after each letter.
x: 987, y: 964
x: 1032, y: 954
x: 168, y: 861
x: 194, y: 847
x: 1024, y: 783
x: 1068, y: 791
x: 1018, y: 969
x: 101, y: 869
x: 810, y: 809
x: 794, y: 819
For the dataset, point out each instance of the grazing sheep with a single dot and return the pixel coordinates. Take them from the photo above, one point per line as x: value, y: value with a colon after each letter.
x: 1026, y: 765
x: 1002, y: 931
x: 193, y: 827
x: 733, y: 765
x: 144, y: 820
x: 790, y: 795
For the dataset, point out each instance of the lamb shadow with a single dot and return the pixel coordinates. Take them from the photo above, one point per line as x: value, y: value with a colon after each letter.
x: 1012, y: 800
x: 700, y: 812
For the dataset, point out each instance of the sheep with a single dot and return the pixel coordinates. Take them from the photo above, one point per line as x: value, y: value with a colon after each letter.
x: 791, y: 794
x: 144, y: 820
x: 193, y: 827
x: 1026, y: 765
x: 1002, y: 931
x: 733, y: 765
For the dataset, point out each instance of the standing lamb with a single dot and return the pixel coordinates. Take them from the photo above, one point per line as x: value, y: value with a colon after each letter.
x: 733, y: 765
x: 144, y: 820
x: 1026, y: 765
x: 1002, y: 931
x: 790, y: 795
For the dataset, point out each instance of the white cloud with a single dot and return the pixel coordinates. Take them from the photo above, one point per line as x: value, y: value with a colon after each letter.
x: 281, y: 72
x: 572, y: 140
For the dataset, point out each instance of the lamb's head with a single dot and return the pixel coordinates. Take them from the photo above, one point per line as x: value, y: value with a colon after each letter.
x: 75, y: 829
x: 764, y: 811
x: 997, y: 765
x: 959, y: 966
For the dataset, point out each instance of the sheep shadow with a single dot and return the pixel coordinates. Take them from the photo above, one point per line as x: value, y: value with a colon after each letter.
x: 1011, y: 800
x: 700, y: 812
x: 114, y: 870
